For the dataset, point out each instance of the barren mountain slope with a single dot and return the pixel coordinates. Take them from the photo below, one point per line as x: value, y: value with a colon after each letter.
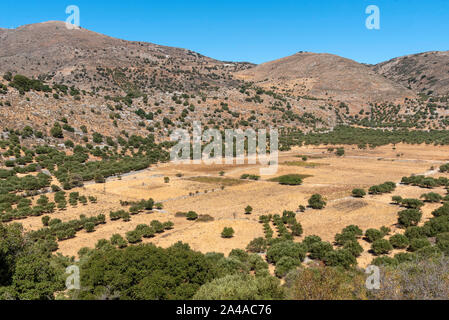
x: 424, y: 72
x: 88, y: 59
x: 326, y: 76
x: 111, y: 79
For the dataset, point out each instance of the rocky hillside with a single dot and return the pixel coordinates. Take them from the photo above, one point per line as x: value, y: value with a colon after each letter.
x: 326, y: 76
x: 90, y: 83
x: 92, y: 61
x: 426, y: 72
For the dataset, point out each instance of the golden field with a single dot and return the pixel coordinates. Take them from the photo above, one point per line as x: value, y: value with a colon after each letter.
x: 200, y: 189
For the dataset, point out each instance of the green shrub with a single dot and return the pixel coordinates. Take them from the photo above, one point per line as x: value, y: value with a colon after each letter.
x: 381, y: 246
x: 353, y: 229
x: 409, y: 217
x: 416, y: 244
x: 284, y: 265
x: 309, y: 240
x: 432, y: 197
x: 372, y: 235
x: 241, y: 287
x: 318, y: 250
x: 396, y: 199
x: 358, y: 193
x: 192, y: 215
x: 402, y: 257
x: 414, y: 232
x: 399, y: 241
x: 316, y: 202
x: 118, y: 241
x: 354, y: 247
x: 290, y: 179
x: 227, y: 232
x: 412, y: 203
x: 342, y: 258
x: 45, y: 220
x: 428, y: 252
x: 384, y: 261
x: 286, y: 248
x: 133, y: 236
x: 342, y: 238
x: 89, y: 226
x: 257, y: 245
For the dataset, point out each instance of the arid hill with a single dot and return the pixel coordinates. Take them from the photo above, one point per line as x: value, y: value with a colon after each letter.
x: 326, y: 76
x: 426, y: 72
x: 88, y: 59
x: 112, y: 87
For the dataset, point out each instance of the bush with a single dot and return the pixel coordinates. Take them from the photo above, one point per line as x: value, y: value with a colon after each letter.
x: 402, y: 257
x: 414, y: 232
x: 372, y: 235
x: 435, y: 226
x: 309, y: 240
x: 241, y: 287
x: 442, y: 241
x: 384, y: 261
x: 340, y: 258
x: 318, y: 250
x: 145, y: 231
x: 257, y: 264
x: 354, y: 247
x: 118, y: 241
x: 399, y: 241
x: 342, y: 238
x: 168, y: 225
x: 386, y: 187
x: 192, y: 215
x: 385, y: 230
x: 432, y: 197
x: 296, y: 229
x: 89, y: 226
x: 257, y: 245
x: 396, y: 199
x: 290, y: 179
x: 157, y: 226
x: 441, y: 211
x: 239, y: 254
x: 412, y: 203
x: 325, y: 283
x: 133, y: 236
x: 227, y: 232
x: 284, y: 265
x: 248, y: 210
x: 316, y: 202
x: 416, y: 244
x: 409, y: 217
x: 353, y: 229
x: 340, y: 152
x: 157, y: 273
x: 358, y: 193
x: 381, y: 246
x: 419, y: 279
x: 286, y: 248
x: 45, y: 220
x: 428, y: 252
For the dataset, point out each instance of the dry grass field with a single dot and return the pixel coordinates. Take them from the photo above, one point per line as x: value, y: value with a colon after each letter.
x: 199, y: 188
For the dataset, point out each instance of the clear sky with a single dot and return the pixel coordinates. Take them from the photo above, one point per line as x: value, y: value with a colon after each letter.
x: 256, y: 31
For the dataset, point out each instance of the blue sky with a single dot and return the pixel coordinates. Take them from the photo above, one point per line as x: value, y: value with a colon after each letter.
x: 256, y: 31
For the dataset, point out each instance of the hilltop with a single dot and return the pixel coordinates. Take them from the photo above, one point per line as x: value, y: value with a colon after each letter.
x: 326, y: 76
x: 426, y: 72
